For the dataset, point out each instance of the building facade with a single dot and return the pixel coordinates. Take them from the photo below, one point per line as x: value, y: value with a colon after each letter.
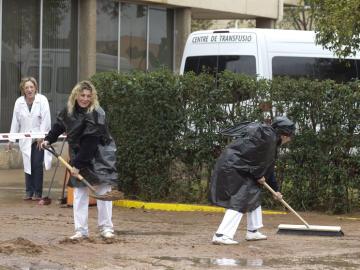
x: 60, y: 42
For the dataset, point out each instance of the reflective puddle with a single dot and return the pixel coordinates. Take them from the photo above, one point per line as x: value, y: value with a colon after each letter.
x: 345, y: 261
x: 208, y: 262
x: 166, y: 233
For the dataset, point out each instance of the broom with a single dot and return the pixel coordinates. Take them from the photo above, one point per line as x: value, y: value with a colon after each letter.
x: 47, y: 200
x: 305, y: 229
x: 112, y: 195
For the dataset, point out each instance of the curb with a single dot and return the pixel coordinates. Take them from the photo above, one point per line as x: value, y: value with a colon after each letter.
x: 179, y: 207
x: 350, y: 218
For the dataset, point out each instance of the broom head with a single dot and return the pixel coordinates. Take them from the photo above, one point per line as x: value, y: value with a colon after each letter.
x: 112, y: 195
x: 311, y: 230
x: 44, y: 201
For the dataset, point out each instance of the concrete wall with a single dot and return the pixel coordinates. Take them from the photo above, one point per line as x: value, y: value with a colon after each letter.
x: 10, y: 159
x: 225, y: 9
x: 13, y: 159
x: 293, y: 2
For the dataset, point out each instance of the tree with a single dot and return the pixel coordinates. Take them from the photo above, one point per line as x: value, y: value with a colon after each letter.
x: 197, y: 24
x: 298, y: 17
x: 241, y: 23
x: 337, y: 25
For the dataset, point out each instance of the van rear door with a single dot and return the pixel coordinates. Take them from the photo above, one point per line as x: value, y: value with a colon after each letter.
x: 216, y: 51
x: 200, y: 53
x: 238, y: 52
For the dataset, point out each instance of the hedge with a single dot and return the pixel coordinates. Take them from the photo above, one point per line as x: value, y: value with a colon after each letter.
x: 166, y: 127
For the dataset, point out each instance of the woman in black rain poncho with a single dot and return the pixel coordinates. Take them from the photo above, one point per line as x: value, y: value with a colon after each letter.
x: 240, y: 170
x: 92, y: 154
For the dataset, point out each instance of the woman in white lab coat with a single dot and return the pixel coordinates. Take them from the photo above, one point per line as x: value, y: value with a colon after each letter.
x: 32, y: 114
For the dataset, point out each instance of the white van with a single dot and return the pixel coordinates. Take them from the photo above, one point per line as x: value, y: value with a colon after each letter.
x: 265, y: 53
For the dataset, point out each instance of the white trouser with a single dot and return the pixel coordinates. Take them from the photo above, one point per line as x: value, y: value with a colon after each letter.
x: 81, y: 209
x: 232, y: 219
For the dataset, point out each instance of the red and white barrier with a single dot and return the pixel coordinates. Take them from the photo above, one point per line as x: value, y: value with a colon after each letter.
x: 26, y: 135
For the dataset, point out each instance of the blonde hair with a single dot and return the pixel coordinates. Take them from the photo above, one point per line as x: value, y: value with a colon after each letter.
x: 76, y: 91
x: 25, y: 80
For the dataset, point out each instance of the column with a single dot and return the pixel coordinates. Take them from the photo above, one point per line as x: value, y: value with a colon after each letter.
x: 87, y: 39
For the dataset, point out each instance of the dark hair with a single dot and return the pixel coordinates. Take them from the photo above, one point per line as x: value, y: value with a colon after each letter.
x: 283, y: 126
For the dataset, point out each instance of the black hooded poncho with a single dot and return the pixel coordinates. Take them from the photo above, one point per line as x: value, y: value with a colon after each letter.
x: 244, y: 161
x: 92, y: 149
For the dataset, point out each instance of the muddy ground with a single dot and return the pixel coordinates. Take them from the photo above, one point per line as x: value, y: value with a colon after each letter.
x: 35, y: 237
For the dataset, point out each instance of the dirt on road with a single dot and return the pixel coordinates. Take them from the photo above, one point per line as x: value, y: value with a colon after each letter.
x: 36, y: 237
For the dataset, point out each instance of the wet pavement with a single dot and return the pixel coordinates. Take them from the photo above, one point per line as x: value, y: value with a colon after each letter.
x: 12, y: 184
x: 36, y: 237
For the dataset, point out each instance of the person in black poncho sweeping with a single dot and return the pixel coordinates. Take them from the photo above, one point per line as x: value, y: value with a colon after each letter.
x: 92, y: 154
x: 240, y: 170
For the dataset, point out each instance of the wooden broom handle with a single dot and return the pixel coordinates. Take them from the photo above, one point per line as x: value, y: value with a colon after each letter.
x: 286, y: 205
x: 81, y: 178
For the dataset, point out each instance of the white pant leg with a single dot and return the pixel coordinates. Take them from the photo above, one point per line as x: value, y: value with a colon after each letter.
x: 104, y: 210
x: 254, y: 219
x: 230, y: 223
x: 81, y: 210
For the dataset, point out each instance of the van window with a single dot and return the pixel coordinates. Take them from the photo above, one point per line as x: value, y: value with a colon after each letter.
x: 212, y: 64
x: 316, y: 68
x: 199, y: 64
x: 238, y: 64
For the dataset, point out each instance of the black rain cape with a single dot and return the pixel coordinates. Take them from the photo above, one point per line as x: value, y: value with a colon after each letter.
x: 249, y: 157
x: 102, y: 168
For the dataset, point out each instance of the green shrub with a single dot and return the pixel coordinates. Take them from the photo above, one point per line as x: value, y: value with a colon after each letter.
x: 167, y: 131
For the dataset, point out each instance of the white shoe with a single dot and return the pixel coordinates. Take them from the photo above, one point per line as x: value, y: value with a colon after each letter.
x: 78, y: 236
x: 253, y: 236
x: 223, y: 240
x: 107, y: 234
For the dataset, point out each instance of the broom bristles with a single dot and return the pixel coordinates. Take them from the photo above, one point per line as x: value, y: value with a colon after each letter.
x: 112, y: 195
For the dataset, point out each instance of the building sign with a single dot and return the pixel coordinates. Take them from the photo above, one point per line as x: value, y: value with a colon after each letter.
x: 223, y: 38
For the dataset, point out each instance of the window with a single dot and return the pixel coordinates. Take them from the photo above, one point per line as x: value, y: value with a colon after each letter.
x: 142, y: 35
x: 133, y: 36
x: 59, y: 52
x: 316, y: 68
x: 238, y: 64
x: 213, y: 64
x: 20, y: 35
x: 199, y: 64
x: 161, y: 38
x: 47, y: 73
x: 107, y: 34
x: 63, y: 85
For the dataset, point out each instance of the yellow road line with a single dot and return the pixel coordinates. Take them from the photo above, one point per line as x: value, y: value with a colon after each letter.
x: 179, y: 207
x: 349, y: 218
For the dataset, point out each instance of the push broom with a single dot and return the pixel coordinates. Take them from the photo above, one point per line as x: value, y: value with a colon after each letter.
x: 305, y: 229
x: 47, y: 200
x: 112, y: 195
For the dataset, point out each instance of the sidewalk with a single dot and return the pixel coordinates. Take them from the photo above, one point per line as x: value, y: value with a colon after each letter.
x: 12, y: 184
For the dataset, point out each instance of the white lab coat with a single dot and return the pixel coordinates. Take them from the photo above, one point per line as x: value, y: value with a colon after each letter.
x: 36, y: 120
